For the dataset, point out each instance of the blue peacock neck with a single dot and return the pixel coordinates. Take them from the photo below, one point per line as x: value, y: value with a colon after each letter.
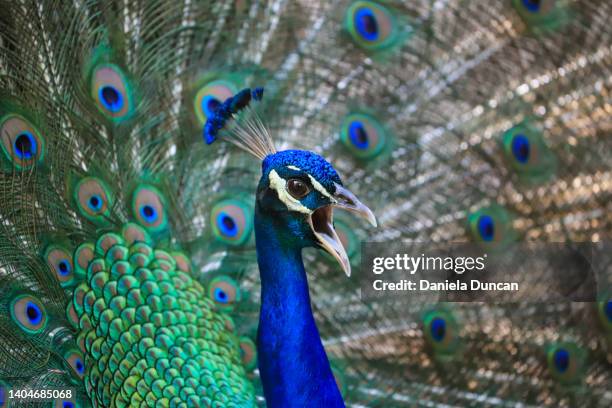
x: 294, y: 368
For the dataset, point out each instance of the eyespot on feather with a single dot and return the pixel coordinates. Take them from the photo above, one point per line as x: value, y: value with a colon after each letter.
x: 535, y: 8
x: 248, y: 353
x: 225, y: 292
x: 542, y: 15
x: 231, y: 222
x: 210, y: 96
x: 566, y: 362
x: 491, y: 227
x: 148, y: 208
x: 363, y: 135
x: 75, y: 362
x: 22, y: 143
x: 59, y: 260
x: 441, y: 331
x: 604, y: 309
x: 93, y: 199
x: 66, y: 403
x: 4, y: 397
x: 28, y: 313
x: 112, y: 92
x: 373, y: 26
x: 527, y: 154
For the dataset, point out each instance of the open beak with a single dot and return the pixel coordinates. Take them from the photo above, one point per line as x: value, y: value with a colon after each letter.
x: 322, y: 224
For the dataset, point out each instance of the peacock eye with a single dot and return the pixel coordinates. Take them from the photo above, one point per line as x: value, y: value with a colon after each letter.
x: 297, y: 188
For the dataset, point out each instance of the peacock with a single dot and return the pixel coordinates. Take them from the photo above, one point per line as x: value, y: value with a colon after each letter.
x: 143, y: 265
x: 296, y: 196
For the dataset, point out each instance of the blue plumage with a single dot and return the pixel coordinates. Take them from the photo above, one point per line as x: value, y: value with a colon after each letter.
x: 309, y: 162
x: 296, y: 190
x: 209, y: 105
x: 295, y: 195
x: 258, y: 93
x: 294, y: 368
x: 219, y: 115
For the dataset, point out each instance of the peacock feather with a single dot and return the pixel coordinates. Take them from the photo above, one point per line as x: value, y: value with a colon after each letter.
x: 141, y: 267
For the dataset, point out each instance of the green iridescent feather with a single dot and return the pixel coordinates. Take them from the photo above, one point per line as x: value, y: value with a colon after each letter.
x: 146, y: 330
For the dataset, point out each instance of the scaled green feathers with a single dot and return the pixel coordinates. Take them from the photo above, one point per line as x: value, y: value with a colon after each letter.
x: 149, y: 333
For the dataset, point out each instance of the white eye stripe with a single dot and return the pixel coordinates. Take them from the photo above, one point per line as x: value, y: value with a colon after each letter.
x: 317, y: 186
x: 280, y: 185
x: 294, y: 168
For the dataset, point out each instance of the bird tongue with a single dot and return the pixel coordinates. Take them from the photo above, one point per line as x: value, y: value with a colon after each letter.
x: 322, y: 224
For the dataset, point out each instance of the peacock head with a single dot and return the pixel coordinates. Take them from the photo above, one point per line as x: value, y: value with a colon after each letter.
x: 299, y: 190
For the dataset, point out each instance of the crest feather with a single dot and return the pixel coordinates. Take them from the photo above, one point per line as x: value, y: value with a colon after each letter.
x: 241, y: 123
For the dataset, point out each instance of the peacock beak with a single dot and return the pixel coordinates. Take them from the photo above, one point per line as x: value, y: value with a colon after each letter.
x: 322, y: 224
x: 347, y: 201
